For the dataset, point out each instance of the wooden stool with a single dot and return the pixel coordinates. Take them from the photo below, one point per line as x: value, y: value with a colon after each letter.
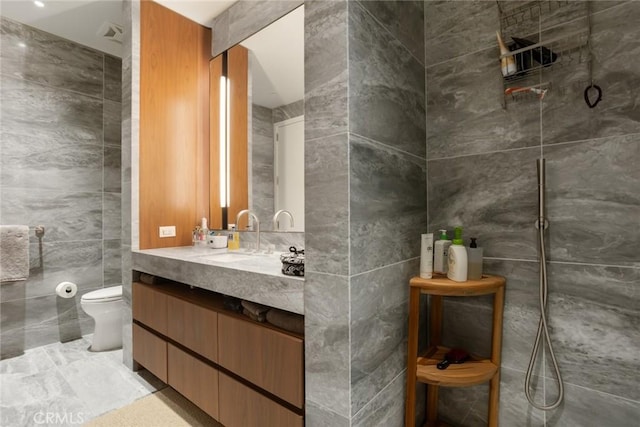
x: 474, y: 371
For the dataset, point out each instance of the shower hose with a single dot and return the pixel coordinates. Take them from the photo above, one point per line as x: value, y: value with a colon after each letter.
x: 541, y: 225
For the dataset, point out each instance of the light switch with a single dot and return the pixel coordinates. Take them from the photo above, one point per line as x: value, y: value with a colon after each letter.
x: 168, y: 231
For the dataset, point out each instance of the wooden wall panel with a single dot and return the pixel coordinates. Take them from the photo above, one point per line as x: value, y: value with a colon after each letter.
x: 174, y: 128
x: 238, y: 73
x: 215, y: 72
x: 204, y: 116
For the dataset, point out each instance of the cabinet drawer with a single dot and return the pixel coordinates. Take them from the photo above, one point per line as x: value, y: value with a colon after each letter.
x: 241, y: 406
x: 150, y: 351
x: 194, y: 327
x: 269, y: 359
x: 150, y: 306
x: 194, y: 379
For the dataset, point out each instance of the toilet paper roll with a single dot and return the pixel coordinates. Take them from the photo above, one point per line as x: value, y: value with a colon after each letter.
x: 66, y: 289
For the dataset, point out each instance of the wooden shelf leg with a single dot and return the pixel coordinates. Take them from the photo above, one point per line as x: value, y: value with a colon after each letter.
x: 412, y: 356
x: 435, y: 321
x: 432, y: 405
x: 496, y: 356
x: 494, y: 400
x: 435, y: 338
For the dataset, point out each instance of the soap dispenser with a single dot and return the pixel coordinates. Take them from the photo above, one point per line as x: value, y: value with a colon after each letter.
x: 234, y: 238
x: 457, y: 258
x: 440, y: 255
x: 475, y: 261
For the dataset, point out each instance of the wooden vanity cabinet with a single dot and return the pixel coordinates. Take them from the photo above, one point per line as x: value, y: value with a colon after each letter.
x: 240, y: 372
x: 269, y: 359
x: 193, y: 326
x: 149, y: 307
x: 194, y: 379
x: 150, y: 351
x: 240, y: 406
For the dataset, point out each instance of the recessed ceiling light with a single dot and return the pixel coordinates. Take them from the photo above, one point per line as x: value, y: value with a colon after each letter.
x: 38, y: 3
x: 22, y: 44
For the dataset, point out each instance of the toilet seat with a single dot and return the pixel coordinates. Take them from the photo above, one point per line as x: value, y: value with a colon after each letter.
x: 113, y: 293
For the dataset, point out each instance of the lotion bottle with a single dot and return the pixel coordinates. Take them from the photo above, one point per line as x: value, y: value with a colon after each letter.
x: 440, y: 253
x: 457, y: 258
x: 203, y: 234
x: 426, y: 256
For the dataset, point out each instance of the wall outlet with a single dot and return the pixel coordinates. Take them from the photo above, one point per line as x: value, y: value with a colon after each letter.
x: 168, y: 231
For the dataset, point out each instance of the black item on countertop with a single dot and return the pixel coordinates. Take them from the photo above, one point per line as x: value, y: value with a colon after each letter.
x: 455, y: 355
x: 293, y: 262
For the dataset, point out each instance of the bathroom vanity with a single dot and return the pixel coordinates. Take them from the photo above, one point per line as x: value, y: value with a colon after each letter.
x: 240, y: 274
x: 240, y: 372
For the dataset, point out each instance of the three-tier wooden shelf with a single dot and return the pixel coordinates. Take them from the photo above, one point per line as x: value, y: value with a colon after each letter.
x: 422, y: 367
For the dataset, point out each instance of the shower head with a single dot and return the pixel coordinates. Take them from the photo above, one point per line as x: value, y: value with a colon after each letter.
x: 540, y: 165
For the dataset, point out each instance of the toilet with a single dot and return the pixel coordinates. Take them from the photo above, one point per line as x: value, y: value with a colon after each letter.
x: 105, y: 306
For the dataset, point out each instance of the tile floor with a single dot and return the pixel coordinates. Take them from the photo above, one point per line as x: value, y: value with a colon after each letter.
x: 64, y: 384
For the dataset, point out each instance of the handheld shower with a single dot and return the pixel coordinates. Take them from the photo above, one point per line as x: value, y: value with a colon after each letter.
x: 542, y: 224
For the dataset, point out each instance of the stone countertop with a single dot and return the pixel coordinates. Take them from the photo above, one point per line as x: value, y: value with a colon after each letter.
x: 252, y: 277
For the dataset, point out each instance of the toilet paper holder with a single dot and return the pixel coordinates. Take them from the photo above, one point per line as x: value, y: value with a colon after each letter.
x: 66, y: 289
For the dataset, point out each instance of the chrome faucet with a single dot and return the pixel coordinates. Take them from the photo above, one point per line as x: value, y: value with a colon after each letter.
x: 276, y: 223
x: 255, y: 219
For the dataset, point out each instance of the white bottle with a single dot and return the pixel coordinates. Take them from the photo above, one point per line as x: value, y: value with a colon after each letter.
x: 203, y: 235
x: 426, y: 256
x: 457, y: 258
x: 440, y: 253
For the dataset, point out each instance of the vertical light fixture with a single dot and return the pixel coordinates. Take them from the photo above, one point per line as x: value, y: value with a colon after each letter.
x: 228, y: 143
x: 224, y: 142
x: 222, y: 170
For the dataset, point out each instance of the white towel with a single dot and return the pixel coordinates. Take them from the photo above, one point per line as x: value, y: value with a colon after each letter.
x: 14, y: 253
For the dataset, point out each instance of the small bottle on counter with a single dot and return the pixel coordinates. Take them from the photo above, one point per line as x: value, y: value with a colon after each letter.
x: 426, y: 256
x: 234, y: 238
x: 202, y: 234
x: 475, y: 261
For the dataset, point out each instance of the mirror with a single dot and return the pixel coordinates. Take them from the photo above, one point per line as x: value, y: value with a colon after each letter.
x: 259, y: 97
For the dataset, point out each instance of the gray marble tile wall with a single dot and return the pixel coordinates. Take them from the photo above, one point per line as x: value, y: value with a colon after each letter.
x: 365, y: 204
x: 288, y: 111
x: 60, y: 167
x: 244, y: 18
x: 129, y: 168
x: 326, y: 296
x: 481, y: 174
x: 261, y: 189
x: 387, y: 188
x: 261, y: 192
